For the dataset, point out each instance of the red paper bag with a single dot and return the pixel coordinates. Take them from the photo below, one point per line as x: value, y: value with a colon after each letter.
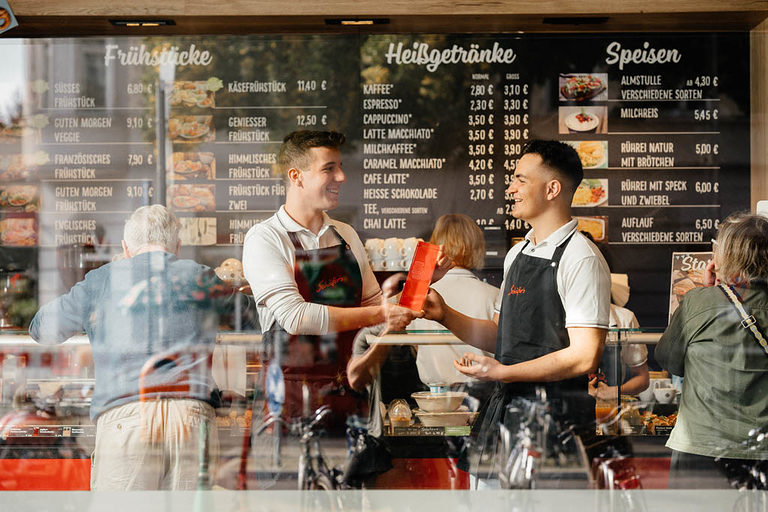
x: 419, y: 276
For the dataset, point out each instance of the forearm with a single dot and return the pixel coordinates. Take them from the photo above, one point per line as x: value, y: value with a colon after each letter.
x: 347, y: 319
x: 638, y: 383
x: 472, y: 331
x: 55, y: 323
x: 560, y: 365
x: 363, y: 369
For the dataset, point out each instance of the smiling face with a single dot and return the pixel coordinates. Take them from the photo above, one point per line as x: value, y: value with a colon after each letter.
x: 529, y: 188
x: 320, y: 181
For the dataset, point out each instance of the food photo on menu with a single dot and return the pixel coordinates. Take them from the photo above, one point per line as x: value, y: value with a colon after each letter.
x: 197, y: 230
x: 21, y: 166
x: 583, y: 120
x: 192, y: 198
x: 591, y: 192
x: 18, y: 231
x: 192, y: 95
x: 579, y: 87
x: 191, y: 166
x: 191, y: 129
x: 596, y: 226
x: 20, y: 198
x: 592, y: 153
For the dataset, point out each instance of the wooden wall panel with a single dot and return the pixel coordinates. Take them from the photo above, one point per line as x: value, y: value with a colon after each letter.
x: 759, y: 102
x: 373, y: 7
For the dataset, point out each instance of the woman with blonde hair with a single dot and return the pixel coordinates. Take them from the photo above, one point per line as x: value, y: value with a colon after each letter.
x: 716, y: 340
x: 462, y: 290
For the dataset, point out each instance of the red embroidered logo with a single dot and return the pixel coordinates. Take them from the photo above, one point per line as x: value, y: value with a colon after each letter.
x: 327, y: 284
x: 515, y: 290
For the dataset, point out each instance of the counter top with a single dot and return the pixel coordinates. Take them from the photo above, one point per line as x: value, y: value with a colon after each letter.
x: 22, y: 338
x: 385, y: 500
x: 415, y: 338
x: 448, y: 338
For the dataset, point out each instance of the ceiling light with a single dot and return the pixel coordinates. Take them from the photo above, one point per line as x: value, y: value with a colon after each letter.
x: 142, y: 23
x: 356, y: 21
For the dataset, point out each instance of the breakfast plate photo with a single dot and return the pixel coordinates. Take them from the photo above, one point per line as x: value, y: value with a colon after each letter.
x: 591, y: 192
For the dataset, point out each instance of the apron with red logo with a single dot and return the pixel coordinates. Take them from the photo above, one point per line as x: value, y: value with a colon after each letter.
x: 329, y: 276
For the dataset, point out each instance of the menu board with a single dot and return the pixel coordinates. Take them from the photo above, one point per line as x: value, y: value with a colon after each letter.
x: 435, y: 124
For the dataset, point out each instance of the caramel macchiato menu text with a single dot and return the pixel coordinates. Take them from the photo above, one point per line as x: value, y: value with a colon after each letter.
x: 435, y: 124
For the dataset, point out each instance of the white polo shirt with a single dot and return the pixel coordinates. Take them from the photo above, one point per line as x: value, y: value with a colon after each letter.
x: 268, y: 264
x: 583, y: 277
x: 463, y: 291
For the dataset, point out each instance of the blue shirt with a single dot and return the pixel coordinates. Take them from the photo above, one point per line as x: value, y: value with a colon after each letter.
x: 133, y: 309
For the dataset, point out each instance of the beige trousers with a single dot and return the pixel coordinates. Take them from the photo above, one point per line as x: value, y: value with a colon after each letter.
x: 153, y: 445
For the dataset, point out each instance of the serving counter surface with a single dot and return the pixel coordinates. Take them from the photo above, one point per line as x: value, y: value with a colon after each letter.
x: 446, y: 501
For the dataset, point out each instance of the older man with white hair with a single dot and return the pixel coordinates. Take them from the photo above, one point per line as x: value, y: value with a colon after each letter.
x: 151, y: 305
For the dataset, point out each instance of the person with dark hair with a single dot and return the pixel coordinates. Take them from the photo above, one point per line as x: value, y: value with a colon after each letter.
x: 554, y: 304
x: 310, y: 275
x: 716, y: 339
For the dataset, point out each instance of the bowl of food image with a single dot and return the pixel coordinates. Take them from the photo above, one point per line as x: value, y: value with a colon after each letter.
x: 582, y: 122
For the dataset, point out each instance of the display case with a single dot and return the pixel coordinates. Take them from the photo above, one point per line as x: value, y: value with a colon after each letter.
x: 649, y: 408
x: 46, y: 433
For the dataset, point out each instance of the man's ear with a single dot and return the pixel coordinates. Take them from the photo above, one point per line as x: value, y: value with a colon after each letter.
x: 294, y: 176
x: 554, y: 189
x: 126, y: 252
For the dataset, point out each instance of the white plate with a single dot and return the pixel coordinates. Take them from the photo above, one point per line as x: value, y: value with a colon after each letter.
x: 577, y: 126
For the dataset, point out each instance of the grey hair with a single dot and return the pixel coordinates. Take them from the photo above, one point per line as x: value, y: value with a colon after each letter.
x: 741, y: 249
x: 152, y: 225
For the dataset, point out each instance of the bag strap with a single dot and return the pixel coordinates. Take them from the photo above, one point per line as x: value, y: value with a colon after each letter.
x: 748, y: 321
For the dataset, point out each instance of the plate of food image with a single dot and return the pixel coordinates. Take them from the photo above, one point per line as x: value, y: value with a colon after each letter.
x: 581, y: 87
x: 592, y: 153
x: 582, y: 122
x: 591, y: 192
x: 17, y: 196
x: 18, y: 232
x: 185, y: 202
x: 595, y: 226
x: 194, y: 130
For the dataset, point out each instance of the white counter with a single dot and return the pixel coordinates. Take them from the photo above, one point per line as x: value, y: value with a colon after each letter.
x: 415, y: 338
x: 224, y: 338
x: 392, y: 500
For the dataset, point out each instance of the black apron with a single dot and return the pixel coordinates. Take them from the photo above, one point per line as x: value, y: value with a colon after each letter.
x: 531, y: 325
x: 329, y: 276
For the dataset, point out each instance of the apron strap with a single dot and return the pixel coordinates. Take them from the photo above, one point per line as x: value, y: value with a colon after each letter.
x: 297, y: 243
x: 560, y: 249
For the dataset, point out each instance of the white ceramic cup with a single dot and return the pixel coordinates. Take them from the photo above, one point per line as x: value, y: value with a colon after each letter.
x: 409, y: 246
x: 664, y: 395
x: 647, y: 395
x: 374, y: 247
x: 378, y: 265
x: 395, y: 265
x: 393, y: 249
